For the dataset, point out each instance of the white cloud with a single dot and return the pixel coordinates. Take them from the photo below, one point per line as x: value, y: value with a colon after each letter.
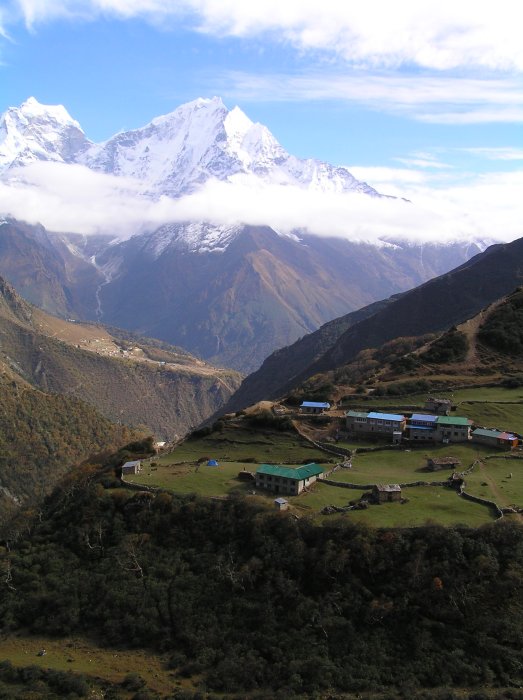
x: 439, y: 34
x: 496, y: 153
x: 429, y: 98
x: 73, y: 198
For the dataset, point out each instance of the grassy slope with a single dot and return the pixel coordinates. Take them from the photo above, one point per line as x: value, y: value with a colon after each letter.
x: 179, y: 472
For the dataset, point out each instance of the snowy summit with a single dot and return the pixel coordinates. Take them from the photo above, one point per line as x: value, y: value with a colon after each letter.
x: 172, y: 155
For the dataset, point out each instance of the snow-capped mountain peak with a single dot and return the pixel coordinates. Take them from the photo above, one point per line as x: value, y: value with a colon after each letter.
x: 35, y: 131
x: 33, y: 110
x: 173, y: 155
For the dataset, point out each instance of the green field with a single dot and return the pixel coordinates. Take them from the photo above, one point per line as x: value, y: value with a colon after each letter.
x: 492, y: 480
x: 238, y: 444
x: 86, y: 657
x: 403, y: 466
x: 425, y: 504
x: 190, y: 478
x: 238, y: 447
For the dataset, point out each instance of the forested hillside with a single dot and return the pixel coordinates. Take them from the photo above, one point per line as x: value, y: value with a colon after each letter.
x: 245, y: 599
x: 42, y: 436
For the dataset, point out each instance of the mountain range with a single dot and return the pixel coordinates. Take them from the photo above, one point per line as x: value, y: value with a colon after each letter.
x: 229, y: 293
x: 433, y: 307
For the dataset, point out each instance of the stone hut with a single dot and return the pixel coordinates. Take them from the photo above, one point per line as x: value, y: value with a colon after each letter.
x: 434, y: 464
x: 386, y: 493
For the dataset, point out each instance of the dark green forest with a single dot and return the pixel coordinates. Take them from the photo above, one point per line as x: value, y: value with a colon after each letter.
x: 250, y: 600
x: 503, y: 330
x: 42, y: 436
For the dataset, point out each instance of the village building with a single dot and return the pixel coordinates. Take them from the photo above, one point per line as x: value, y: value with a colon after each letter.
x: 440, y: 406
x: 434, y: 464
x: 314, y: 407
x: 422, y: 426
x: 453, y: 429
x: 495, y: 438
x: 287, y: 480
x: 390, y: 425
x: 246, y: 476
x: 386, y: 493
x: 134, y: 467
x: 281, y: 503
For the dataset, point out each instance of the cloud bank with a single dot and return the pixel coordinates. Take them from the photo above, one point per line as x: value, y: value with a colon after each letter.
x: 434, y: 34
x: 72, y: 198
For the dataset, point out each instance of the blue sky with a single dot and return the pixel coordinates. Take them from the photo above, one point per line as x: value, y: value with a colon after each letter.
x: 421, y: 99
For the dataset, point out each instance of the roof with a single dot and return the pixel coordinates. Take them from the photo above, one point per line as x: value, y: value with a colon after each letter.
x: 356, y: 414
x: 453, y: 420
x: 484, y: 432
x: 281, y: 501
x: 444, y: 460
x: 386, y: 416
x: 298, y: 473
x: 423, y: 417
x: 388, y: 488
x: 135, y: 463
x: 315, y: 404
x: 433, y: 399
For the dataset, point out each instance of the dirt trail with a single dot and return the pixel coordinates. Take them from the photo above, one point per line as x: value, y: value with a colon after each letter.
x: 470, y: 329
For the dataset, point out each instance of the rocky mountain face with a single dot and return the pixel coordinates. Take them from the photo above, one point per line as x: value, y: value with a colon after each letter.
x: 49, y: 270
x: 230, y: 293
x: 128, y: 380
x: 447, y: 300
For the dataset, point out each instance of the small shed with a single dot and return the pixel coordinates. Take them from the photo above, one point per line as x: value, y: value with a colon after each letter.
x: 434, y: 464
x: 386, y: 493
x: 281, y: 503
x: 440, y: 406
x: 132, y: 467
x: 212, y: 463
x: 244, y: 475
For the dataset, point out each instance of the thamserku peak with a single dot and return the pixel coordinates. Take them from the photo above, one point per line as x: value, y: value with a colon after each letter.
x: 173, y: 154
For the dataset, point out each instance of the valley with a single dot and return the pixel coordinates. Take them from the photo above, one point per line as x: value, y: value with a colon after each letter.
x: 224, y: 471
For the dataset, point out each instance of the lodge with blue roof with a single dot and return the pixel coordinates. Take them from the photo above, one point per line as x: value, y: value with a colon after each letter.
x: 389, y: 425
x: 314, y: 406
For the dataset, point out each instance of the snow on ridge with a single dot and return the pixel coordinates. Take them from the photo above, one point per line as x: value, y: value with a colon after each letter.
x: 32, y: 109
x: 194, y: 237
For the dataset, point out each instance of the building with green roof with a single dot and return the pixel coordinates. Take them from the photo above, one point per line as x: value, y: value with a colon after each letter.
x: 287, y: 480
x: 453, y: 429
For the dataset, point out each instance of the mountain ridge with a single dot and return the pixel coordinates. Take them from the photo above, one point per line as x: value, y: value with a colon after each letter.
x: 126, y: 379
x: 432, y: 307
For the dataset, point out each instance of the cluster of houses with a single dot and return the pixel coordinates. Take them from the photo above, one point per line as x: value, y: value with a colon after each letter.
x: 424, y: 427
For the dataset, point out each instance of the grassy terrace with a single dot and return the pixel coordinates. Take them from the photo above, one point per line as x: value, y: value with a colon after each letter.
x: 238, y: 449
x: 425, y: 504
x: 85, y: 657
